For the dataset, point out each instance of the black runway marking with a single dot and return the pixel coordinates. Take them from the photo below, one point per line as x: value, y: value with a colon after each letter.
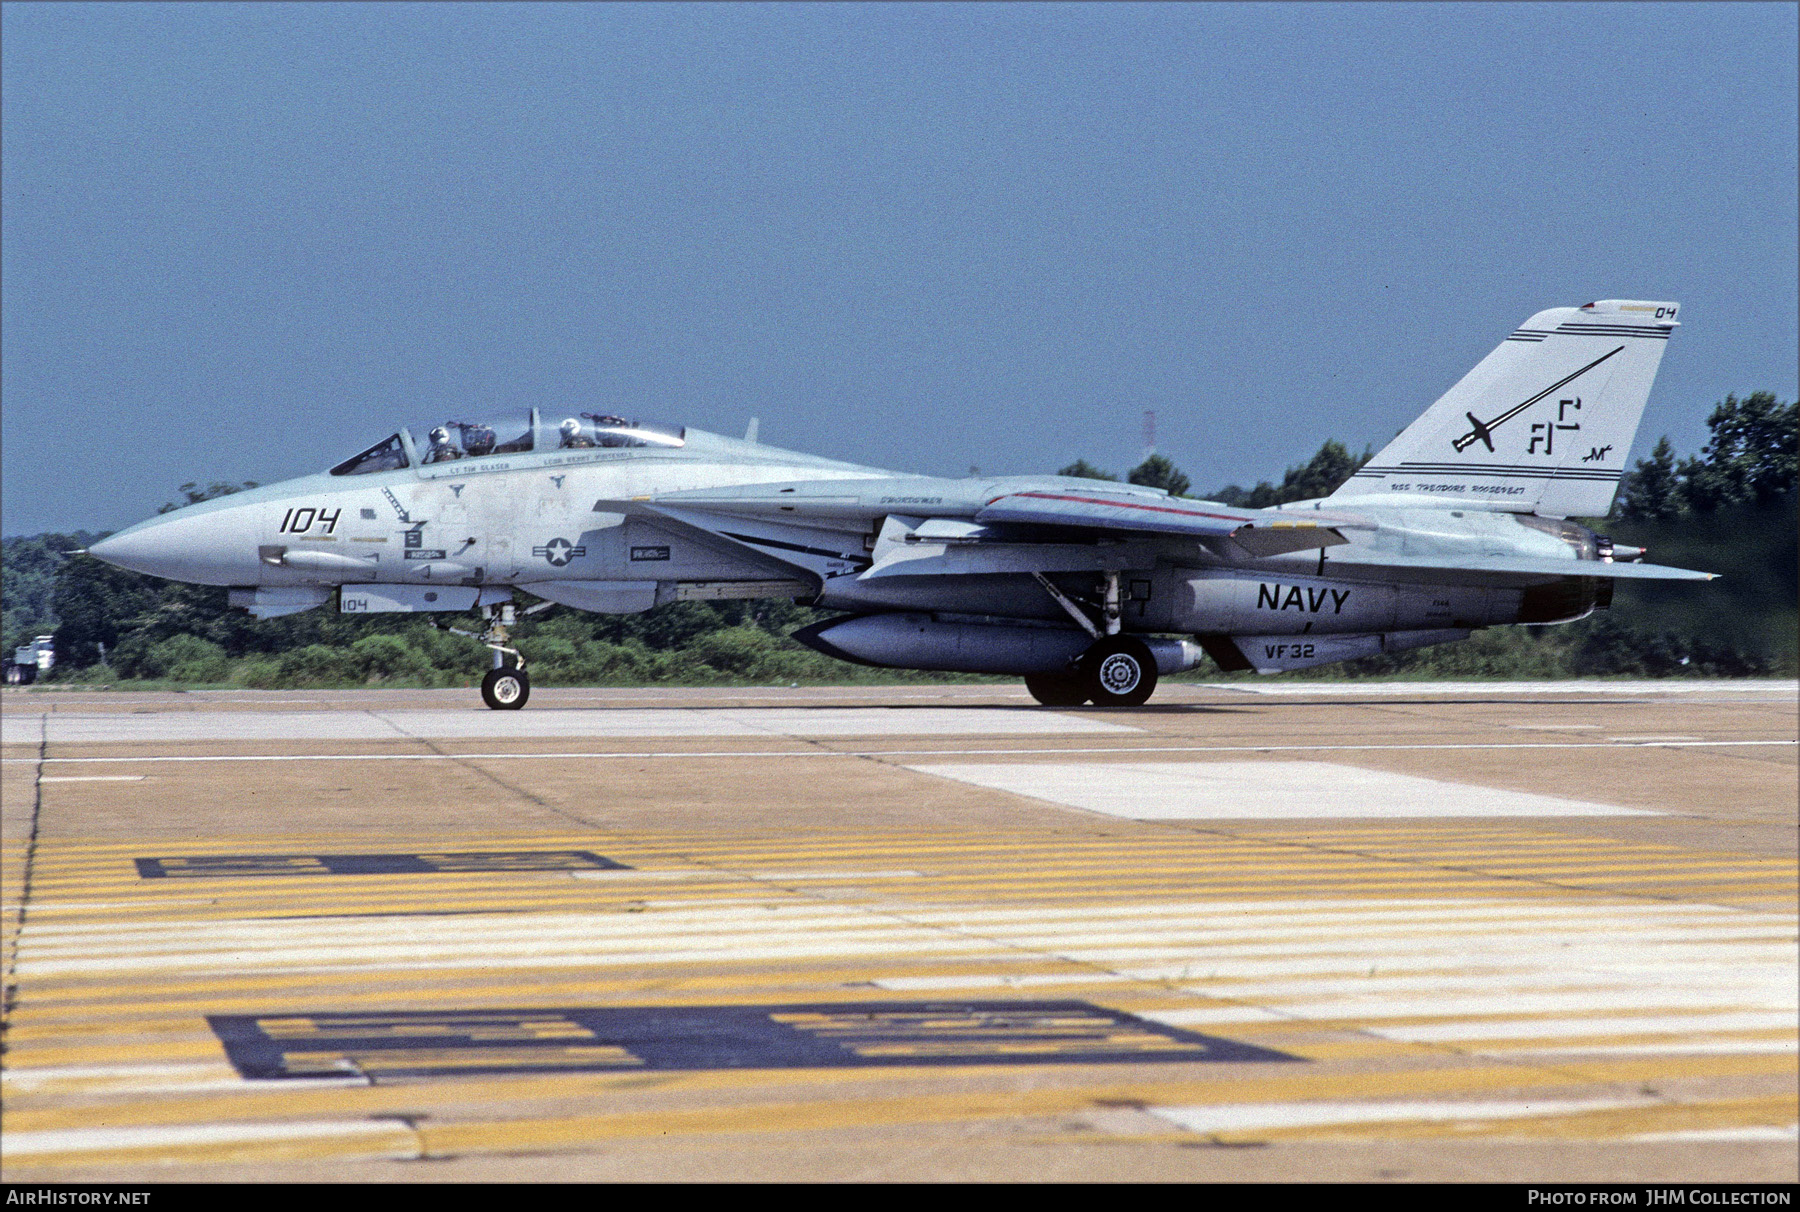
x: 202, y: 866
x: 404, y: 1045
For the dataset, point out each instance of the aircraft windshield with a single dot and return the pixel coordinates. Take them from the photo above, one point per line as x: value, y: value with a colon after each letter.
x: 590, y: 429
x: 448, y: 440
x: 386, y: 455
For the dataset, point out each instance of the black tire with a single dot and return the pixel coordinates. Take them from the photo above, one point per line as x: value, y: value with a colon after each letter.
x: 505, y: 689
x: 1057, y: 689
x: 1119, y: 671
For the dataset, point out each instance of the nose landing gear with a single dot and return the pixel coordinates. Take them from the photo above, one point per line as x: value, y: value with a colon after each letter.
x: 504, y: 687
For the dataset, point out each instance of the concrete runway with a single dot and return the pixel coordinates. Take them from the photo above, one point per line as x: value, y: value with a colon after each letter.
x: 1500, y: 932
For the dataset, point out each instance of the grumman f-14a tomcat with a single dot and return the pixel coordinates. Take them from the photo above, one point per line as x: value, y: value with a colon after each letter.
x: 1087, y: 589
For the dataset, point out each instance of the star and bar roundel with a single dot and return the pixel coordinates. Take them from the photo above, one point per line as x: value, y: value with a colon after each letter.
x: 559, y: 551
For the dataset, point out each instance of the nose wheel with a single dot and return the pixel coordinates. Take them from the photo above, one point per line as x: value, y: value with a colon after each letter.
x: 505, y: 688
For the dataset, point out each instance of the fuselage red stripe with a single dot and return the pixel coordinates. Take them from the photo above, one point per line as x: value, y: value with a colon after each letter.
x: 1186, y: 513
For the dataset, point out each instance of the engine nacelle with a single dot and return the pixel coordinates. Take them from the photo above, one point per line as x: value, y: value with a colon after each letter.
x: 1276, y: 604
x: 1565, y: 601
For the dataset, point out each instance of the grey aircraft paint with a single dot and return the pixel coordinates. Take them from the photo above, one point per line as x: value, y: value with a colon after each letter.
x: 1090, y: 589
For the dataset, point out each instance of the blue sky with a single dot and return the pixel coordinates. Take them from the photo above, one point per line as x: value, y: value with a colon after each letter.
x: 244, y: 241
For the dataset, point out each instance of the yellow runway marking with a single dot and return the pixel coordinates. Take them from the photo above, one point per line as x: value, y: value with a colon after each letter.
x: 820, y: 1110
x: 1415, y: 916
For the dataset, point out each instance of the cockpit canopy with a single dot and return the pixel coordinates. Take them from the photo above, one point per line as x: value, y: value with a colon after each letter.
x: 589, y: 429
x: 449, y: 440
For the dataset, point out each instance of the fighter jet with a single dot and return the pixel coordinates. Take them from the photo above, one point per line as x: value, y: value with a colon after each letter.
x: 1089, y: 590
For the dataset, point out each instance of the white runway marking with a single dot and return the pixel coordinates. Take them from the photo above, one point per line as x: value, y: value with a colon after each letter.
x: 1667, y: 1048
x: 1215, y: 1016
x: 390, y: 1137
x: 647, y: 754
x: 1439, y: 971
x: 92, y: 778
x: 1255, y: 1117
x: 767, y: 877
x: 483, y: 941
x: 117, y: 728
x: 1551, y: 1028
x: 1771, y: 688
x: 1477, y: 967
x: 782, y: 877
x: 1151, y: 791
x: 914, y: 984
x: 127, y: 1079
x: 1752, y: 1135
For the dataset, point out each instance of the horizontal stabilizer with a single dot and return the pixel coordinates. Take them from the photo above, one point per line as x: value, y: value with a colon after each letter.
x: 1277, y: 532
x: 1532, y: 566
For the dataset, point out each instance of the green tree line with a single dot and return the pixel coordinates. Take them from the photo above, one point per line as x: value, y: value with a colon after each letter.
x: 1319, y: 476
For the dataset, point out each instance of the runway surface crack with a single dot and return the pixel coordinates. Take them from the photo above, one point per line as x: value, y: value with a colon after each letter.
x: 9, y: 995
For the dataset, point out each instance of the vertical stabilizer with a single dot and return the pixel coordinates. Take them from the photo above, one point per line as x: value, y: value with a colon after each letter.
x: 1543, y: 424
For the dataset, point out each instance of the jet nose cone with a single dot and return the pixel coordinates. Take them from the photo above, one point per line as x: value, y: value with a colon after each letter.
x: 134, y: 548
x: 213, y: 548
x: 151, y: 547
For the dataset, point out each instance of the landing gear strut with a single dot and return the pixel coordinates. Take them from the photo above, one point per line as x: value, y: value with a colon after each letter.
x: 505, y: 687
x: 1117, y: 670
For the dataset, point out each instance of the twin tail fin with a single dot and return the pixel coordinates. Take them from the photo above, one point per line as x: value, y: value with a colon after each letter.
x: 1543, y: 424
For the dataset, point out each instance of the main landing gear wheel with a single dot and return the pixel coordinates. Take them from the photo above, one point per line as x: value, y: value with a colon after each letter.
x: 1118, y: 671
x: 506, y: 688
x: 1057, y: 689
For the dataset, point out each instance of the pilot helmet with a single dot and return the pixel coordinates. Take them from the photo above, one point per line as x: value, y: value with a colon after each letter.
x: 440, y: 436
x: 570, y: 427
